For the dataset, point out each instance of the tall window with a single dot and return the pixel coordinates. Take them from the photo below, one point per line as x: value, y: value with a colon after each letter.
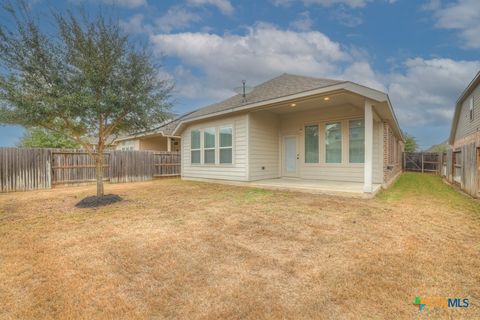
x: 195, y: 146
x: 209, y: 145
x: 226, y: 145
x: 311, y: 144
x: 356, y: 143
x: 333, y: 142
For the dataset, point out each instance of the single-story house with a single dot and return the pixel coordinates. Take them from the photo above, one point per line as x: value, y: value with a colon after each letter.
x: 159, y: 139
x: 295, y: 130
x: 463, y: 157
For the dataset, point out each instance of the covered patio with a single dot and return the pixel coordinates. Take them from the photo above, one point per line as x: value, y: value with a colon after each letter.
x: 313, y: 186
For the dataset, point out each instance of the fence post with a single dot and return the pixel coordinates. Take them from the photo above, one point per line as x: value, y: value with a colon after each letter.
x: 422, y: 163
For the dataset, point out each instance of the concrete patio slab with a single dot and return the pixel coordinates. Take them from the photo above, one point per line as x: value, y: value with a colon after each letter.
x: 341, y: 188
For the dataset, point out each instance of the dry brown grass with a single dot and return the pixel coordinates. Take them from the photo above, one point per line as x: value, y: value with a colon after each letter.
x: 176, y: 249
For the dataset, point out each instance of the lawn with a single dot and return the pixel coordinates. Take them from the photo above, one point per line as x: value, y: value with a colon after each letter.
x: 177, y: 249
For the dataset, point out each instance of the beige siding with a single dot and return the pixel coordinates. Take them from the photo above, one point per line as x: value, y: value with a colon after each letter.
x: 159, y: 143
x: 293, y: 124
x: 128, y: 145
x: 264, y: 146
x: 465, y: 125
x: 238, y: 170
x: 154, y: 143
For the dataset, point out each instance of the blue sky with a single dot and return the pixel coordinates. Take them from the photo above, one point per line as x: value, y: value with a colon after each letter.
x: 422, y: 53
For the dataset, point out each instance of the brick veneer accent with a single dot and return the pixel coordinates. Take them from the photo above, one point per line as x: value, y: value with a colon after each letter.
x: 470, y: 138
x: 391, y: 166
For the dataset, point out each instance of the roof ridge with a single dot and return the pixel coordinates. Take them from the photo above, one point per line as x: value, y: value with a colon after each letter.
x: 311, y: 77
x: 282, y: 85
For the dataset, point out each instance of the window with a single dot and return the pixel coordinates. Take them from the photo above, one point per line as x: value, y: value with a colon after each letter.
x: 311, y: 144
x: 356, y: 144
x: 209, y: 145
x: 471, y: 107
x: 195, y: 146
x: 333, y: 142
x: 226, y: 145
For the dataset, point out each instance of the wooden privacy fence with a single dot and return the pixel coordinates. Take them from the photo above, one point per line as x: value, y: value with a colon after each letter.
x: 462, y: 167
x: 75, y: 166
x: 422, y: 162
x: 25, y: 169
x: 29, y: 169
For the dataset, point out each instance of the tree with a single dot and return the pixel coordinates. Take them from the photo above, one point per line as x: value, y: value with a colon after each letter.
x: 83, y: 79
x: 439, y: 148
x: 411, y: 144
x: 42, y: 138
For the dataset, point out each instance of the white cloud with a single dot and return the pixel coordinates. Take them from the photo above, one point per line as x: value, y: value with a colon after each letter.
x: 126, y: 3
x: 346, y: 18
x: 327, y: 3
x: 282, y: 3
x: 133, y: 25
x: 303, y: 23
x: 425, y: 93
x: 463, y: 15
x: 176, y: 18
x: 361, y: 72
x: 223, y: 5
x: 263, y: 52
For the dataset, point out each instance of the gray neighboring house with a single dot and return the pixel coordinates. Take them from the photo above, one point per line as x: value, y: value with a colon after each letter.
x: 295, y: 130
x: 463, y: 159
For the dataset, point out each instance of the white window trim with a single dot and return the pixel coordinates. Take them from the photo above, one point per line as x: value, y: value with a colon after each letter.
x: 322, y: 145
x: 214, y: 148
x: 341, y: 141
x: 320, y: 128
x: 348, y: 142
x: 220, y: 147
x: 199, y: 149
x: 217, y: 145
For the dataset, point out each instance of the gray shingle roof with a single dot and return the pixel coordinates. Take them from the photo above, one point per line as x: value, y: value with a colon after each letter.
x: 281, y: 86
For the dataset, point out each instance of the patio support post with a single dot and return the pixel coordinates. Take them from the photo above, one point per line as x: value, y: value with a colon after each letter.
x: 368, y: 170
x: 169, y: 144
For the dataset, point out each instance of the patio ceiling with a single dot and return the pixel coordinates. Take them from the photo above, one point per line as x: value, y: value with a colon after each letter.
x: 319, y: 102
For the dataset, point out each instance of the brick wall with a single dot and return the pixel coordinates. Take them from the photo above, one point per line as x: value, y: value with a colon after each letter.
x: 392, y: 154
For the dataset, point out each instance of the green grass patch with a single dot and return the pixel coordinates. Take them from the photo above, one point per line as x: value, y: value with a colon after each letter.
x: 255, y: 194
x: 419, y: 186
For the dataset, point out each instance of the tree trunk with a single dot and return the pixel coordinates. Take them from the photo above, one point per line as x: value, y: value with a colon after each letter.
x: 99, y: 173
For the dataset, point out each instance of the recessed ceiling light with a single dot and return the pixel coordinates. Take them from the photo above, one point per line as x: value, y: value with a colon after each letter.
x: 293, y: 105
x: 326, y: 98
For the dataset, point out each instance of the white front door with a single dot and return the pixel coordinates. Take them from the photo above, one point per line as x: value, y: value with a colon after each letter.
x: 290, y: 156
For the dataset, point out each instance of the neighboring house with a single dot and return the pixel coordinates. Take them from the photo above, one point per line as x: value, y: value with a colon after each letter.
x: 295, y: 127
x: 159, y: 139
x: 463, y: 157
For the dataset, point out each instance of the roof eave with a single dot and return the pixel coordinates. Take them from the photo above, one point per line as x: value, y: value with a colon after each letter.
x: 346, y: 85
x: 369, y: 93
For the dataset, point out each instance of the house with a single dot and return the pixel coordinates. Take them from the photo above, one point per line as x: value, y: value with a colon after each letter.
x: 159, y: 139
x: 295, y: 131
x: 463, y: 156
